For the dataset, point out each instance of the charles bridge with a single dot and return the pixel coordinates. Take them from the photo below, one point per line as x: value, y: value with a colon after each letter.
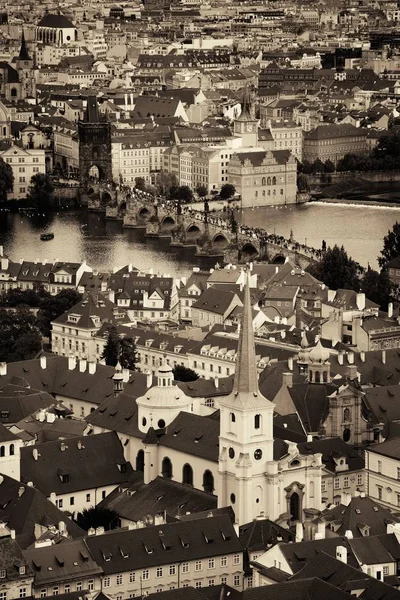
x: 210, y: 233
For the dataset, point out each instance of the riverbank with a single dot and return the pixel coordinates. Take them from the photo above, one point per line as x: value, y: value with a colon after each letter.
x: 372, y: 202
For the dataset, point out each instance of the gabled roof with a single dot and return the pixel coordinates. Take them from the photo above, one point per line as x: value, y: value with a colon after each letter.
x: 304, y: 589
x: 361, y: 512
x: 160, y: 496
x: 215, y: 300
x: 261, y: 533
x: 23, y: 507
x: 55, y: 21
x: 193, y: 434
x: 75, y: 464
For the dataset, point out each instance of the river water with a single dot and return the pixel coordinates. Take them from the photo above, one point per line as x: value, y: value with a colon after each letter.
x: 105, y: 244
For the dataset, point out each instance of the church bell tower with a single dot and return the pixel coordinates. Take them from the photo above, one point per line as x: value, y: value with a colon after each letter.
x: 246, y: 431
x: 246, y: 125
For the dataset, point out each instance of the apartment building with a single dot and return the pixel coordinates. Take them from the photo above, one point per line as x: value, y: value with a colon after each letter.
x: 25, y: 163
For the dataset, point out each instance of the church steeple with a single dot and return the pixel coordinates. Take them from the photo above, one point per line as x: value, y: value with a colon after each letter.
x: 246, y: 125
x: 23, y: 52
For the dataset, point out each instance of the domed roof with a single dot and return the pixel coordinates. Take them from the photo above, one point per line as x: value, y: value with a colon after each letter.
x: 168, y: 396
x: 319, y: 354
x: 55, y: 21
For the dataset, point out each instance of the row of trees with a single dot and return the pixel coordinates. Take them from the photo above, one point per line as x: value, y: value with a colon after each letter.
x: 167, y: 186
x: 338, y: 270
x: 22, y: 329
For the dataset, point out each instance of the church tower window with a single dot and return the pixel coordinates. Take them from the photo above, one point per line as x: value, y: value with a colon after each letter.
x: 233, y: 418
x: 257, y: 422
x: 166, y: 467
x: 346, y: 415
x: 187, y: 474
x: 208, y: 481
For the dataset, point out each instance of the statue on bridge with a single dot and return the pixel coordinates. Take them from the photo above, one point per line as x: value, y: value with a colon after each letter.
x: 206, y: 210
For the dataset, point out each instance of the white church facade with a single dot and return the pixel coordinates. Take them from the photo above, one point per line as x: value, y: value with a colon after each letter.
x: 231, y: 453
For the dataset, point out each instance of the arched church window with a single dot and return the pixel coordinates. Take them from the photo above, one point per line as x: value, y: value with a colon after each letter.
x: 187, y: 474
x: 166, y: 467
x: 311, y: 487
x: 144, y: 421
x: 12, y: 450
x: 346, y: 434
x: 346, y: 415
x: 274, y: 180
x: 140, y: 461
x: 317, y: 377
x: 231, y: 453
x: 263, y: 181
x: 257, y: 422
x: 233, y: 498
x: 269, y: 181
x: 325, y: 376
x: 208, y: 481
x: 256, y: 194
x: 294, y: 506
x: 13, y: 93
x: 232, y: 417
x: 2, y: 451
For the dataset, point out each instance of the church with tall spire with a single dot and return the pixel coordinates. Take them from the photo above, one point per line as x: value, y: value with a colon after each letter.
x: 246, y: 125
x: 228, y: 451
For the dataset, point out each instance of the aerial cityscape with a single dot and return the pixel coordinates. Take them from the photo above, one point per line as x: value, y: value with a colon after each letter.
x: 199, y: 300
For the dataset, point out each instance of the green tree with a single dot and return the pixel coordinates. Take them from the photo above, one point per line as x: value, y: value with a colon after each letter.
x: 111, y: 350
x: 377, y: 287
x: 389, y: 143
x: 337, y: 270
x: 98, y: 516
x: 52, y: 307
x: 391, y: 246
x: 302, y: 183
x: 318, y: 167
x: 119, y: 349
x: 201, y: 191
x: 40, y: 193
x: 140, y: 183
x: 184, y: 194
x: 329, y: 167
x: 305, y: 167
x: 128, y: 355
x: 182, y: 373
x: 164, y: 182
x: 20, y: 338
x: 227, y: 191
x: 6, y: 180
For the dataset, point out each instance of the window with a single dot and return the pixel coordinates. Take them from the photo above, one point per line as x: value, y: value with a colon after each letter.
x: 172, y: 569
x: 223, y: 561
x: 336, y: 483
x: 11, y: 449
x: 398, y: 499
x: 159, y: 572
x: 197, y: 565
x: 145, y: 574
x: 119, y: 579
x: 132, y: 577
x: 236, y: 559
x: 91, y: 585
x: 236, y: 580
x: 257, y: 421
x: 379, y: 490
x: 43, y: 593
x: 87, y: 497
x: 107, y: 582
x: 22, y: 592
x: 3, y: 595
x: 211, y: 582
x: 359, y: 479
x: 379, y: 466
x: 55, y: 590
x: 72, y: 501
x: 60, y: 503
x: 78, y: 586
x: 3, y: 573
x: 323, y: 485
x: 211, y: 563
x: 346, y: 483
x: 67, y: 588
x: 233, y: 418
x: 185, y: 567
x: 198, y: 584
x: 224, y: 580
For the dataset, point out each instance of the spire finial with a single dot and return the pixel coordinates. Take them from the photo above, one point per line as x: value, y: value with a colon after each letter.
x: 246, y: 378
x: 23, y: 53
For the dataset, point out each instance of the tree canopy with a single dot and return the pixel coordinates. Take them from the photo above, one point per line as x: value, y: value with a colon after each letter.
x: 337, y: 270
x: 201, y: 190
x: 140, y: 183
x: 377, y: 287
x: 182, y: 373
x: 165, y: 182
x: 98, y: 516
x: 391, y: 246
x: 6, y: 180
x: 20, y: 337
x: 40, y: 192
x: 52, y: 307
x: 119, y: 349
x: 227, y: 191
x: 184, y: 194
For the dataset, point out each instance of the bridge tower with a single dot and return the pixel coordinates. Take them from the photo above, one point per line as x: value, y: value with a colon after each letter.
x: 94, y: 147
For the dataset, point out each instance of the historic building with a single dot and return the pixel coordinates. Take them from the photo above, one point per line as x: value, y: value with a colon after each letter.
x: 246, y: 125
x: 25, y: 163
x: 333, y: 142
x: 55, y: 30
x: 17, y: 81
x: 264, y: 177
x: 94, y: 146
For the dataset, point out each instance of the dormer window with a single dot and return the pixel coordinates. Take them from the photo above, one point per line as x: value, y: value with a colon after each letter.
x: 22, y: 570
x: 3, y: 573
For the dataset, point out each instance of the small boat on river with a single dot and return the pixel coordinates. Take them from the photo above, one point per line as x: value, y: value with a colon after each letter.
x: 45, y: 237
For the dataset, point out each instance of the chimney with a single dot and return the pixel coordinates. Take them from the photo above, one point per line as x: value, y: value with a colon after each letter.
x: 384, y: 357
x: 348, y: 534
x: 287, y: 379
x: 351, y: 372
x: 341, y: 553
x: 216, y: 382
x: 92, y: 368
x: 331, y: 295
x: 390, y: 310
x: 340, y: 357
x: 79, y: 445
x: 299, y: 531
x: 63, y: 447
x: 53, y: 497
x: 111, y: 296
x: 360, y: 301
x: 61, y: 527
x: 99, y: 530
x: 91, y: 531
x: 35, y: 454
x: 362, y: 356
x: 321, y: 530
x: 71, y: 363
x: 21, y: 490
x: 3, y: 369
x: 43, y: 361
x: 12, y: 533
x: 350, y: 357
x: 149, y: 379
x: 345, y: 498
x: 290, y: 363
x: 82, y: 365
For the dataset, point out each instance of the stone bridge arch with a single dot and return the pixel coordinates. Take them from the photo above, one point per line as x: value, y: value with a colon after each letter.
x: 249, y: 250
x: 107, y: 198
x: 167, y: 224
x: 220, y: 241
x: 278, y: 259
x: 193, y: 232
x: 143, y: 214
